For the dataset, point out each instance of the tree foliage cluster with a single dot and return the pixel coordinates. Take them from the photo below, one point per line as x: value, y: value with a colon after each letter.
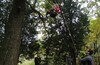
x: 67, y: 33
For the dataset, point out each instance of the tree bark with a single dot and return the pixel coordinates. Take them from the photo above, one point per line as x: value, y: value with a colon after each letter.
x: 9, y: 51
x: 73, y: 56
x: 74, y: 59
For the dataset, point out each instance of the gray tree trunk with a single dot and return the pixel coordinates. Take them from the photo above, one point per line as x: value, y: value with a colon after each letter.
x: 9, y: 51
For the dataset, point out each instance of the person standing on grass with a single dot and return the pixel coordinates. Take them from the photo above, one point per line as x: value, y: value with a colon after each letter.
x: 37, y: 60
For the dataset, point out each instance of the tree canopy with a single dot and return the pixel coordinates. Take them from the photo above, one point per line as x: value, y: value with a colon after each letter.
x: 26, y: 30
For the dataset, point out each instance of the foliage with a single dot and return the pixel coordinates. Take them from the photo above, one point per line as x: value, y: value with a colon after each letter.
x: 90, y: 7
x: 94, y: 28
x: 4, y: 12
x: 63, y: 35
x: 94, y: 36
x: 66, y: 33
x: 27, y: 62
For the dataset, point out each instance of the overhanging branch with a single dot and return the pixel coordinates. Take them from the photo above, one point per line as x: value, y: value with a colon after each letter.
x: 40, y: 15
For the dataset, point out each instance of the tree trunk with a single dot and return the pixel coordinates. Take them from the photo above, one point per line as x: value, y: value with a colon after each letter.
x: 74, y: 59
x: 9, y: 51
x: 73, y: 56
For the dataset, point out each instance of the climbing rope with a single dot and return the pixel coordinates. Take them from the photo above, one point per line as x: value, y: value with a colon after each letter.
x: 67, y: 26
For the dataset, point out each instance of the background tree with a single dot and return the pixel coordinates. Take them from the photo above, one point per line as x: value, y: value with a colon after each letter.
x: 9, y: 51
x: 66, y: 33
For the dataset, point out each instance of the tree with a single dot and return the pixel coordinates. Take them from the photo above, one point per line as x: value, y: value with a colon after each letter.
x: 90, y: 7
x: 67, y: 33
x: 9, y: 51
x: 93, y: 37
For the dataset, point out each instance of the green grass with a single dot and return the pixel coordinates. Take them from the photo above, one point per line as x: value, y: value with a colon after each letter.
x: 27, y: 62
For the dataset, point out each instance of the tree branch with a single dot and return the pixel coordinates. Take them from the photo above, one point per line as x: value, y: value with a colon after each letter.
x: 40, y: 15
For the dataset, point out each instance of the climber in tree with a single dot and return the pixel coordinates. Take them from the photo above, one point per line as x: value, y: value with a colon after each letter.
x: 53, y: 11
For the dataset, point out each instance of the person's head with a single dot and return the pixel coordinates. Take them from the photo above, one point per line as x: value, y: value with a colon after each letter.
x: 89, y: 52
